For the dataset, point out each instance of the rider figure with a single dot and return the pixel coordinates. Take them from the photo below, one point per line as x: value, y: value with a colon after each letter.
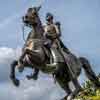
x: 53, y: 34
x: 51, y: 31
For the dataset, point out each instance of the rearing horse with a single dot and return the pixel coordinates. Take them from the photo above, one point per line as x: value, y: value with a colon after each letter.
x: 34, y: 56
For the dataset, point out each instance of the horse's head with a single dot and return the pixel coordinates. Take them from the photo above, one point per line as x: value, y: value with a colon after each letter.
x: 31, y: 16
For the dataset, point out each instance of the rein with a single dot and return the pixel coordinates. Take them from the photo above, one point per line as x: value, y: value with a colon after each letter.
x: 23, y: 32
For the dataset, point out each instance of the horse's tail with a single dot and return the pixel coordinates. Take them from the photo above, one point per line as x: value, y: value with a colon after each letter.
x: 89, y: 72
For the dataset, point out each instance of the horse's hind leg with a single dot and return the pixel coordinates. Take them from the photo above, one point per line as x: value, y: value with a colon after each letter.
x: 62, y: 78
x: 66, y: 89
x: 89, y: 72
x: 77, y: 89
x: 70, y: 94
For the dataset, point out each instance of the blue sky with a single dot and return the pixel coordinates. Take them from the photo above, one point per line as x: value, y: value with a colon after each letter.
x: 80, y: 21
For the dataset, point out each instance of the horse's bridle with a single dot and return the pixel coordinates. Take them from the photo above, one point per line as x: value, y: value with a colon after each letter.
x: 23, y: 32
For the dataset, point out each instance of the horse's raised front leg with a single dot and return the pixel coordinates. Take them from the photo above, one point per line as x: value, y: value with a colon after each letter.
x: 12, y: 74
x: 34, y: 75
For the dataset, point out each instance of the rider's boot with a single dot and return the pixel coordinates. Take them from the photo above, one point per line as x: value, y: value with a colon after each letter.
x: 52, y: 64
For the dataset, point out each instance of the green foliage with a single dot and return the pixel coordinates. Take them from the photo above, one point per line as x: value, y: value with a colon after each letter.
x: 89, y: 91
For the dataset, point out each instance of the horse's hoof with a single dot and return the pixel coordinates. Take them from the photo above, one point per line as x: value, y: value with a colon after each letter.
x: 32, y: 77
x: 12, y: 77
x: 16, y: 82
x: 35, y: 77
x: 65, y: 98
x: 28, y: 77
x: 71, y: 97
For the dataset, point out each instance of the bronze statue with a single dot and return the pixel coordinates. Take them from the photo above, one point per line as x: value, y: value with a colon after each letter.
x: 36, y: 56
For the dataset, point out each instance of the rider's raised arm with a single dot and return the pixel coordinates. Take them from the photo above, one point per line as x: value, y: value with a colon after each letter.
x: 58, y: 28
x: 61, y: 43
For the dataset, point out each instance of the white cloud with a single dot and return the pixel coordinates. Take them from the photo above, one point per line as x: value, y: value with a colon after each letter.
x: 7, y: 55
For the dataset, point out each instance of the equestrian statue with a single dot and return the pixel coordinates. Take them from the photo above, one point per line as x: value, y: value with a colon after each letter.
x: 44, y: 51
